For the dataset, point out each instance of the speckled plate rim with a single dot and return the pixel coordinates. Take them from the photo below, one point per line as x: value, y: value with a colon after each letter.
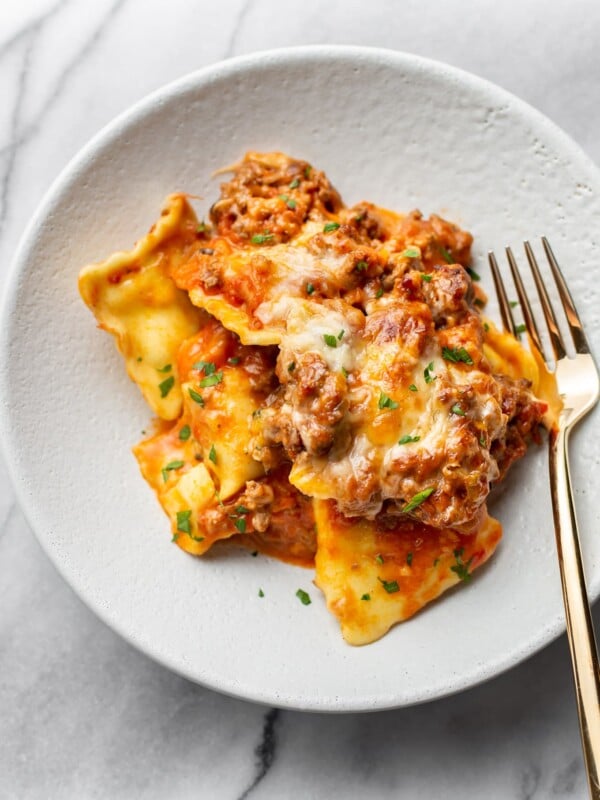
x: 35, y: 515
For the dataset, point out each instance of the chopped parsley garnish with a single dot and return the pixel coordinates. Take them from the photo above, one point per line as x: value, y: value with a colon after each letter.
x: 425, y: 277
x: 166, y: 386
x: 486, y: 327
x: 513, y: 303
x: 379, y: 558
x: 479, y: 302
x: 409, y: 559
x: 386, y: 402
x: 411, y: 252
x: 330, y: 226
x: 345, y: 372
x: 456, y: 354
x: 178, y: 464
x: 196, y: 397
x: 309, y: 288
x: 290, y: 203
x: 341, y: 335
x: 242, y: 510
x: 208, y: 367
x: 261, y: 593
x: 307, y: 171
x: 295, y: 183
x: 446, y: 254
x: 212, y: 454
x: 391, y: 587
x: 240, y: 524
x: 379, y: 292
x: 521, y: 328
x: 461, y: 568
x: 418, y: 499
x: 139, y: 358
x: 412, y: 388
x: 185, y: 433
x: 233, y: 361
x: 473, y: 274
x: 183, y: 521
x: 361, y: 266
x: 408, y: 439
x: 436, y: 561
x: 211, y: 380
x: 330, y: 339
x: 429, y: 378
x: 262, y: 238
x: 303, y: 596
x: 196, y: 538
x: 166, y: 368
x: 291, y: 366
x: 456, y: 409
x: 366, y: 596
x: 482, y: 441
x: 201, y: 227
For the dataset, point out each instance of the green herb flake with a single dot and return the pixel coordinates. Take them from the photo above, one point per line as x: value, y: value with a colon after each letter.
x: 429, y: 378
x: 391, y: 587
x: 242, y: 510
x: 295, y: 183
x: 436, y: 561
x: 341, y: 335
x: 482, y: 441
x: 379, y: 558
x: 425, y: 277
x: 461, y: 568
x: 261, y: 593
x: 486, y: 327
x: 166, y: 368
x: 456, y: 354
x: 379, y: 292
x: 304, y: 597
x: 211, y: 380
x: 177, y: 464
x: 513, y: 303
x: 165, y: 475
x: 166, y: 386
x: 479, y: 302
x: 291, y: 366
x: 330, y: 340
x: 262, y: 238
x: 290, y: 202
x: 196, y: 538
x: 196, y: 397
x: 456, y: 409
x: 361, y: 266
x: 345, y: 372
x: 240, y: 524
x: 330, y: 226
x: 473, y: 274
x: 212, y: 454
x: 139, y: 358
x: 446, y: 255
x: 386, y: 402
x: 205, y: 366
x: 412, y: 388
x: 408, y: 439
x: 419, y: 498
x: 307, y: 171
x: 183, y: 521
x: 233, y: 361
x: 366, y: 596
x: 185, y: 433
x: 521, y: 328
x: 409, y: 559
x: 411, y: 252
x: 310, y: 288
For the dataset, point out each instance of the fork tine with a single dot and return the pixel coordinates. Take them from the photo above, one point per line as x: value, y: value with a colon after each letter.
x: 575, y: 325
x: 505, y: 312
x: 532, y: 329
x: 555, y: 336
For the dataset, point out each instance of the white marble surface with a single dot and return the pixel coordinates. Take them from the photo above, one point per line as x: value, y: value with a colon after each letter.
x: 82, y: 714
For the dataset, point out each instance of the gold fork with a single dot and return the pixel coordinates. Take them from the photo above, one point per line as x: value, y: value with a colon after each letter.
x: 578, y: 386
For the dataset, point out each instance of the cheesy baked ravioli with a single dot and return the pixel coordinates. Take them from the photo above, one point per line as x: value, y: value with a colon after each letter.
x: 325, y: 386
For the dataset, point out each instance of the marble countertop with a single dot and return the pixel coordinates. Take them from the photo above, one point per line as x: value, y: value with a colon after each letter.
x: 83, y: 714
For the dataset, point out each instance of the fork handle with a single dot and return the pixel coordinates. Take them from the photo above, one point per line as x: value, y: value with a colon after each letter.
x: 580, y: 629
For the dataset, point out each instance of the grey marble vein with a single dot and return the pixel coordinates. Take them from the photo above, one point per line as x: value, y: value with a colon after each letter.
x: 31, y: 27
x: 237, y: 28
x: 265, y: 750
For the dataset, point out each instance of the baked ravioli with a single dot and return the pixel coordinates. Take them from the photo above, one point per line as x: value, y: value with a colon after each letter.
x: 326, y: 387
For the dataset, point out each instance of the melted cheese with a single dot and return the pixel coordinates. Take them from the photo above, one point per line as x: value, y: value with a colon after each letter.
x: 374, y: 578
x: 133, y: 297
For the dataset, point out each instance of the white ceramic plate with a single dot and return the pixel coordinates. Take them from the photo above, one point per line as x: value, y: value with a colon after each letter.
x: 387, y: 127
